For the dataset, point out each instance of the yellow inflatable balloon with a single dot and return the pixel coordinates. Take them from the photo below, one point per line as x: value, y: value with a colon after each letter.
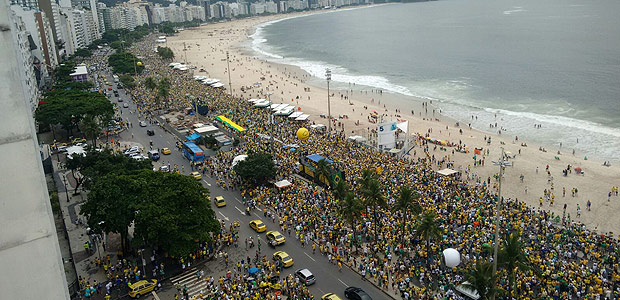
x: 303, y: 134
x: 139, y: 64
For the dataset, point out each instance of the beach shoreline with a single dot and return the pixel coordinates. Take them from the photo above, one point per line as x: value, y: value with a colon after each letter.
x: 292, y: 85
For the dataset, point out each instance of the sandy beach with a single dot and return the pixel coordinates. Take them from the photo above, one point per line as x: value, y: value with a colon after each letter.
x: 206, y: 48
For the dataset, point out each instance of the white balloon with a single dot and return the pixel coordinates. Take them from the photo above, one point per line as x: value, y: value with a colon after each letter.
x: 237, y: 159
x: 452, y: 257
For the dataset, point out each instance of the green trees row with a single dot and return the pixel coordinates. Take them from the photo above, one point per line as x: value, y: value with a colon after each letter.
x: 69, y: 108
x: 125, y: 63
x: 169, y: 211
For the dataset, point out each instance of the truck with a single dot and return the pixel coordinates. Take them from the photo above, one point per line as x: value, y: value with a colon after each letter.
x: 308, y: 165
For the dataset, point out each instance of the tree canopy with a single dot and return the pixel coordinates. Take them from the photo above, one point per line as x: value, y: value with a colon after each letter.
x: 169, y: 211
x: 125, y: 63
x: 69, y: 107
x: 165, y: 52
x: 127, y: 81
x: 257, y: 168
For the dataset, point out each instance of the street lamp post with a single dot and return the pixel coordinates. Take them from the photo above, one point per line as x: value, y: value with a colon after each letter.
x: 497, y: 211
x: 228, y: 63
x: 273, y: 154
x: 328, y: 76
x: 64, y: 181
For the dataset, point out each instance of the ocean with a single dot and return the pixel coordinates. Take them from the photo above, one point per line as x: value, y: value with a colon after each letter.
x: 515, y: 62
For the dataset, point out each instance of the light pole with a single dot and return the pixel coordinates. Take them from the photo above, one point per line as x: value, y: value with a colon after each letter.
x: 328, y: 76
x: 64, y: 181
x: 228, y: 63
x: 273, y: 154
x: 497, y: 210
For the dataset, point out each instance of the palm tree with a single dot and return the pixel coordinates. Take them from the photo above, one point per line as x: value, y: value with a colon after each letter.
x: 367, y: 175
x: 481, y: 279
x: 91, y: 128
x: 405, y: 202
x: 341, y: 189
x: 150, y: 83
x: 323, y: 172
x: 162, y: 92
x: 374, y: 197
x: 428, y: 229
x: 512, y: 257
x: 349, y: 209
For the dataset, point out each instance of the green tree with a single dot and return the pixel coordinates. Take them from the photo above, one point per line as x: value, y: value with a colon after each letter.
x: 323, y: 172
x: 174, y: 214
x: 349, y: 209
x: 511, y: 257
x: 257, y: 168
x: 373, y: 197
x: 112, y: 203
x: 83, y: 52
x: 150, y: 83
x: 69, y: 107
x: 405, y: 203
x: 163, y: 90
x: 165, y: 53
x: 341, y: 189
x: 428, y: 229
x: 127, y: 81
x: 125, y: 63
x: 101, y: 163
x: 92, y: 128
x: 481, y: 279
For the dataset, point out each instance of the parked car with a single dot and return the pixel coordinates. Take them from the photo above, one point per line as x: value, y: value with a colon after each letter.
x: 142, y: 124
x: 258, y: 225
x: 150, y: 132
x: 284, y: 258
x: 125, y: 105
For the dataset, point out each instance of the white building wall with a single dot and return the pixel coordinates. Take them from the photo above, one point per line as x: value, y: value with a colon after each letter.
x: 29, y: 252
x: 26, y: 61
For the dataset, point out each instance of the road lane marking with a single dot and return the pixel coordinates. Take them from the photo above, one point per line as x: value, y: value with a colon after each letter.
x: 321, y: 291
x: 225, y: 217
x: 258, y: 216
x: 343, y: 282
x: 168, y: 142
x: 239, y: 210
x: 206, y: 182
x: 237, y: 199
x: 310, y: 257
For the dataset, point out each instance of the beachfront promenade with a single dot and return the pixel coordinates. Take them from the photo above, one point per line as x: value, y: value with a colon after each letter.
x: 571, y: 258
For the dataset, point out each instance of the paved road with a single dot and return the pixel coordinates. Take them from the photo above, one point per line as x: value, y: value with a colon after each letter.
x: 329, y: 279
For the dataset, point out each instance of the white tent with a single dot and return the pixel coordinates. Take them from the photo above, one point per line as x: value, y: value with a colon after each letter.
x: 208, y: 129
x: 317, y: 126
x: 253, y: 100
x: 237, y: 159
x: 283, y: 183
x: 295, y: 114
x: 447, y: 172
x: 302, y: 117
x: 217, y: 85
x: 280, y: 107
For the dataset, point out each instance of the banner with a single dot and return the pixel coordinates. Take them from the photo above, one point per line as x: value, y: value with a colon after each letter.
x: 386, y: 135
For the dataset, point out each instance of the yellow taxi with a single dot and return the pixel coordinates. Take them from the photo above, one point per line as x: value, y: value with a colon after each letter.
x: 165, y: 151
x: 219, y: 201
x: 58, y: 144
x: 283, y: 257
x: 330, y: 296
x: 142, y: 287
x: 258, y: 225
x: 275, y: 236
x: 196, y: 175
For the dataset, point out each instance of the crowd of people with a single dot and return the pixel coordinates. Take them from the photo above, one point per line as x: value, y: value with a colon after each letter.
x: 573, y: 261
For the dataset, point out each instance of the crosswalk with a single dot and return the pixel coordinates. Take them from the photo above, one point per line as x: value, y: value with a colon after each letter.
x: 188, y: 279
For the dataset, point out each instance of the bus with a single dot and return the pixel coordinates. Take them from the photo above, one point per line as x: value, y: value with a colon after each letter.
x: 194, y: 153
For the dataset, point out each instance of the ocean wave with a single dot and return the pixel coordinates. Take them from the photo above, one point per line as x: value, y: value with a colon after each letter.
x: 561, y: 121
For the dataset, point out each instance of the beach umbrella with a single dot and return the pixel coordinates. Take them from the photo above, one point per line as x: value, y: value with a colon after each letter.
x: 253, y: 270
